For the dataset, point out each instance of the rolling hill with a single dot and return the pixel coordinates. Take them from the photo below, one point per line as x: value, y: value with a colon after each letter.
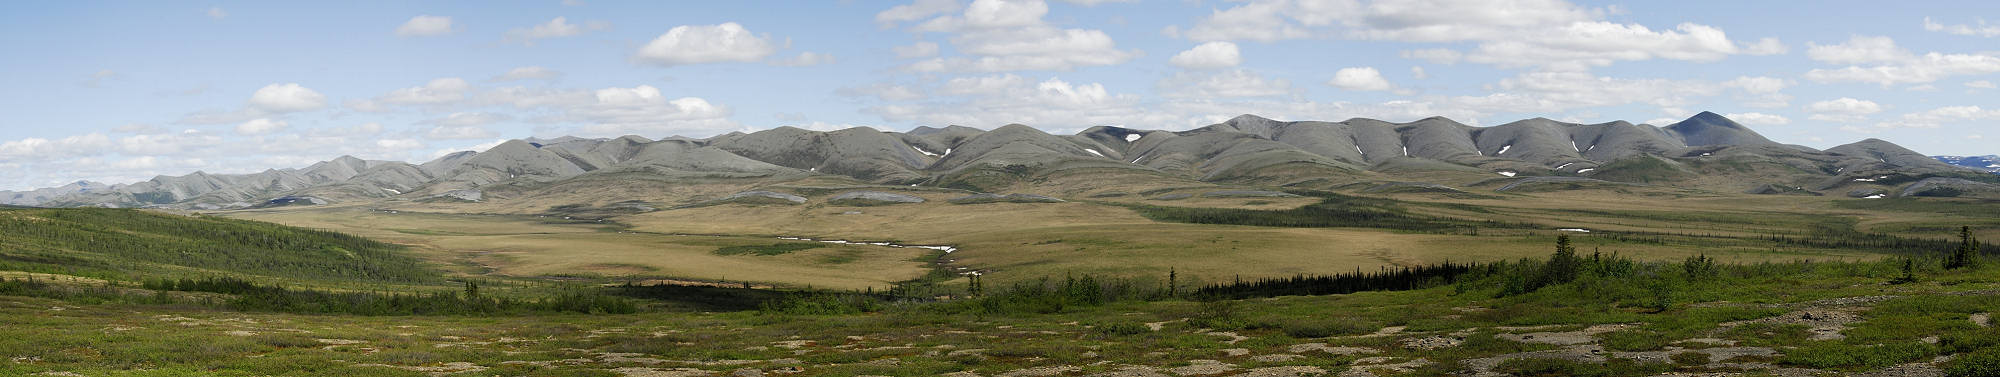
x: 1707, y: 152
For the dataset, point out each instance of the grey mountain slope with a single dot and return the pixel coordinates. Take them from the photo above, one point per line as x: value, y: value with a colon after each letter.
x: 684, y: 158
x: 1605, y: 142
x: 1709, y: 128
x: 43, y: 195
x: 1706, y: 151
x: 859, y: 152
x: 511, y: 160
x: 1889, y: 153
x: 1539, y: 141
x: 1439, y: 138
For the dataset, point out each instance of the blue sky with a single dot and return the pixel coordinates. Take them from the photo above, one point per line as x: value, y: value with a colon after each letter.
x: 121, y: 92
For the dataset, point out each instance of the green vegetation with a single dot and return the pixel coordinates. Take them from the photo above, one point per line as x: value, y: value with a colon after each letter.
x: 106, y: 243
x: 1333, y: 210
x: 772, y: 249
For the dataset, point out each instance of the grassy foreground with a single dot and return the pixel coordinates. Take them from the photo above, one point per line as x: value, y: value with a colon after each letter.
x: 1790, y: 318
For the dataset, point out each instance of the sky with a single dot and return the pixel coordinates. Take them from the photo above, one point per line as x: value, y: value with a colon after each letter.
x: 120, y: 92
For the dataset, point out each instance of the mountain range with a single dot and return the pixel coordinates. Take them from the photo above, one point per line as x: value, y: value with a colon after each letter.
x: 1706, y: 152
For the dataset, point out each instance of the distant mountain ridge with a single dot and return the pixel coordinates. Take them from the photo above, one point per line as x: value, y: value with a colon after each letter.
x: 1989, y: 163
x: 1707, y: 151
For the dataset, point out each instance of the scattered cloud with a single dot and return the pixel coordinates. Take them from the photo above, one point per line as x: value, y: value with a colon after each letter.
x: 285, y: 98
x: 528, y: 73
x: 1359, y: 79
x: 1894, y: 65
x: 1981, y: 84
x: 700, y: 44
x: 426, y: 26
x: 555, y: 28
x: 1225, y: 84
x: 1843, y: 110
x: 1758, y: 119
x: 217, y: 13
x: 1008, y: 35
x: 916, y: 50
x: 1209, y: 55
x: 1981, y: 29
x: 260, y: 126
x: 804, y: 59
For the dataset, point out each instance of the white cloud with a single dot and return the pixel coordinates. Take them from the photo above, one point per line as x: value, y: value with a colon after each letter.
x: 1858, y: 49
x: 285, y: 98
x: 459, y: 133
x: 884, y: 91
x: 918, y: 10
x: 1359, y: 78
x: 425, y: 26
x: 40, y: 148
x: 260, y: 126
x: 1921, y: 69
x: 1981, y: 84
x: 1762, y: 91
x: 1225, y: 84
x: 528, y: 73
x: 1937, y: 117
x: 440, y: 91
x: 1758, y: 119
x: 1419, y: 73
x: 698, y: 44
x: 217, y: 13
x: 1208, y: 56
x: 1759, y: 84
x: 1584, y: 44
x: 1010, y: 35
x: 917, y: 50
x: 1766, y: 46
x: 555, y: 28
x: 1435, y: 55
x: 644, y: 110
x: 1844, y: 110
x: 399, y: 144
x: 804, y: 59
x: 462, y: 119
x: 1982, y: 29
x: 1511, y: 33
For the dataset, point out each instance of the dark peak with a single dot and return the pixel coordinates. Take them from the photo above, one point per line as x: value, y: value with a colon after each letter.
x: 1245, y: 118
x: 1713, y: 119
x: 1436, y: 119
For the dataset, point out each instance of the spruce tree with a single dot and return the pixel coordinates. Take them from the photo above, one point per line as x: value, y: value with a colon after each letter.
x: 1968, y: 249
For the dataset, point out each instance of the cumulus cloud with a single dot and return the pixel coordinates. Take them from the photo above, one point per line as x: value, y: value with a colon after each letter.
x: 425, y: 26
x: 287, y: 97
x: 918, y: 10
x: 461, y: 119
x: 1513, y: 33
x: 644, y: 110
x: 1359, y: 79
x: 1435, y: 55
x: 1981, y: 84
x: 459, y: 133
x: 437, y: 92
x: 1208, y: 56
x: 699, y: 44
x: 1758, y: 119
x: 916, y: 50
x: 528, y: 73
x: 1893, y: 65
x: 260, y: 126
x: 1981, y: 29
x: 1762, y: 91
x: 1937, y: 117
x: 1009, y: 35
x: 1858, y: 49
x: 555, y: 28
x: 804, y: 59
x: 1225, y: 84
x: 1844, y: 109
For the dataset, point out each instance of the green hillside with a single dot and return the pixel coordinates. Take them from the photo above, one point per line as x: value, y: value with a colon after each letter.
x: 124, y: 244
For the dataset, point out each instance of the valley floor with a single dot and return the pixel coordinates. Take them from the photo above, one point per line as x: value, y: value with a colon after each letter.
x: 1805, y: 320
